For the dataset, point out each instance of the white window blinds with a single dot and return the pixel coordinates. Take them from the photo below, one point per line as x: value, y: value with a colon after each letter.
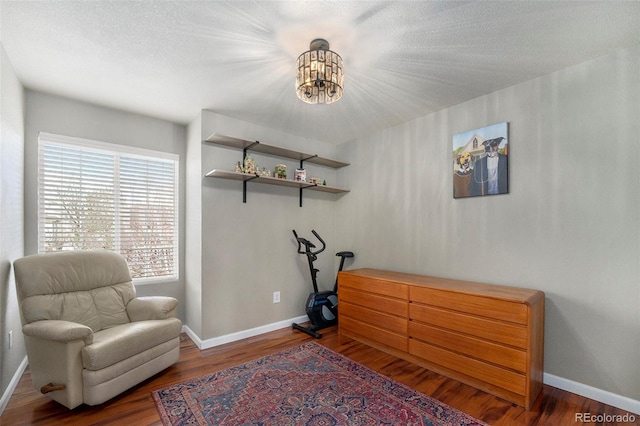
x: 94, y: 195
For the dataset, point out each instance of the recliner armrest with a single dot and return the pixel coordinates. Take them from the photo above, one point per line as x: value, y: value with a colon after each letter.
x: 58, y: 330
x: 151, y: 308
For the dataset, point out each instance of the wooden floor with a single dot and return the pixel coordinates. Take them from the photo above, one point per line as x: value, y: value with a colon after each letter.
x: 136, y: 407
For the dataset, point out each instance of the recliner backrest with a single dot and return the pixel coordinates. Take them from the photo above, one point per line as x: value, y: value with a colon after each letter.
x: 90, y: 287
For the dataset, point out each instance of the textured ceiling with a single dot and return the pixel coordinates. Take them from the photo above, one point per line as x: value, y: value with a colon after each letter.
x: 403, y: 59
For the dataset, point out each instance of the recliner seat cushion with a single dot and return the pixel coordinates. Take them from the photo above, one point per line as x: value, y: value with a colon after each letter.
x: 93, y: 378
x: 120, y: 342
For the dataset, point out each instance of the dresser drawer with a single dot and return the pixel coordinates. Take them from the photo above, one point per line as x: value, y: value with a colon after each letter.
x: 349, y: 325
x: 503, y: 378
x: 478, y: 305
x: 489, y: 329
x: 373, y: 301
x: 493, y: 353
x: 379, y: 319
x: 373, y: 285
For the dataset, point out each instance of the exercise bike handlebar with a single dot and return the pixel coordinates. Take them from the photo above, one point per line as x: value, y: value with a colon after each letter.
x: 324, y: 246
x: 308, y: 244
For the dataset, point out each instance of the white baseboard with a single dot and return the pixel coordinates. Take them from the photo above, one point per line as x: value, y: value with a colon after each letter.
x: 13, y: 384
x: 228, y: 338
x: 619, y: 401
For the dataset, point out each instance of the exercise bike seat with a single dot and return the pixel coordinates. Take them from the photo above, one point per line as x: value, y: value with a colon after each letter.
x: 344, y: 254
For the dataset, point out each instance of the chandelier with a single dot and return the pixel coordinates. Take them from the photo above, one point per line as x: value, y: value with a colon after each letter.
x: 320, y: 76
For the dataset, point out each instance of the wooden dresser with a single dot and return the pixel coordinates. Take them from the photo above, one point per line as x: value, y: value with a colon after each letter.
x: 487, y: 336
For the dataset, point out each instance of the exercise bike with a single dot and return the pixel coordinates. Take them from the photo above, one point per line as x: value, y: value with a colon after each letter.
x: 321, y: 306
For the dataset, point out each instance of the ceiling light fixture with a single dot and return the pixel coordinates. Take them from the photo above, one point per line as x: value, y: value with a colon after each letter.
x: 320, y: 75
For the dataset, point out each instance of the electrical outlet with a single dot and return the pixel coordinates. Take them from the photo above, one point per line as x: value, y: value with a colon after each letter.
x: 10, y: 339
x: 276, y: 297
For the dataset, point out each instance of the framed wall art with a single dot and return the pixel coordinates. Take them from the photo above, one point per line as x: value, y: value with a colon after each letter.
x: 481, y: 161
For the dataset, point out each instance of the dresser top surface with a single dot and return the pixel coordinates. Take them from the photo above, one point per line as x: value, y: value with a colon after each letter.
x: 516, y: 294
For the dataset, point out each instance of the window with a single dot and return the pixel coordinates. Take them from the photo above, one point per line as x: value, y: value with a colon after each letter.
x: 94, y: 195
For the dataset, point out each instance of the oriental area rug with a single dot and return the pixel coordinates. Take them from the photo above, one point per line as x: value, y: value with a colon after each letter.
x: 305, y: 385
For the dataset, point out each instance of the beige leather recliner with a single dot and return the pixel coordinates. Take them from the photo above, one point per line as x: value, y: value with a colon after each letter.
x: 88, y: 337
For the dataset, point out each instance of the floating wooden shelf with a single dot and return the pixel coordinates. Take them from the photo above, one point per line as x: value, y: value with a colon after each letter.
x: 256, y: 146
x: 261, y: 148
x: 246, y: 177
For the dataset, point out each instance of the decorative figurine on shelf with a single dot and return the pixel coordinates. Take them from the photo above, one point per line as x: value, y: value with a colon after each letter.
x: 239, y: 168
x: 324, y: 182
x: 280, y: 171
x: 249, y: 165
x: 265, y: 172
x: 301, y: 175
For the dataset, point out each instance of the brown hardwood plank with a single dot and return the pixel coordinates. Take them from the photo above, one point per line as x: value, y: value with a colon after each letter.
x: 553, y: 407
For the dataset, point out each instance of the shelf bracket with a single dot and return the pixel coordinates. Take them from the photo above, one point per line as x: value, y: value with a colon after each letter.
x: 244, y: 187
x: 248, y: 148
x: 302, y: 160
x: 305, y: 159
x: 244, y: 157
x: 304, y: 187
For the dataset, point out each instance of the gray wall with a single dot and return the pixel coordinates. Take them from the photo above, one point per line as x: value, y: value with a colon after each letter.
x: 248, y: 250
x: 54, y: 114
x: 570, y: 225
x: 11, y: 213
x: 193, y: 249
